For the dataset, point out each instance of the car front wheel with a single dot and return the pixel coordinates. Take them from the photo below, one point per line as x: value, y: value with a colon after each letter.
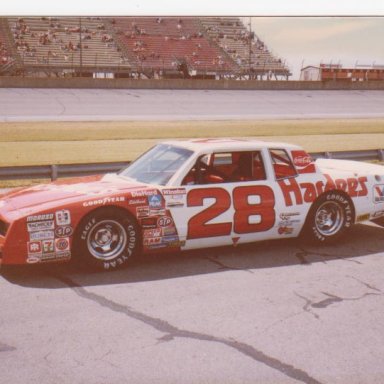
x: 107, y: 239
x: 329, y: 218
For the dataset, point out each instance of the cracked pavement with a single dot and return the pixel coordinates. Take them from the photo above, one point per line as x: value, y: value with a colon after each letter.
x: 270, y: 312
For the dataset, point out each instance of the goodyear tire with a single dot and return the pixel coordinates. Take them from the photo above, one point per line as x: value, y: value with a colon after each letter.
x: 107, y: 239
x: 329, y: 218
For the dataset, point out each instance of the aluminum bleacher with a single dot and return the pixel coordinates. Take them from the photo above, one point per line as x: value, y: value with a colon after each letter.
x: 66, y: 43
x: 243, y: 46
x: 145, y: 47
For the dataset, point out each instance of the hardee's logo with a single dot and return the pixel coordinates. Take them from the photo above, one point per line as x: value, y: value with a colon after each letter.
x: 378, y: 193
x: 308, y: 192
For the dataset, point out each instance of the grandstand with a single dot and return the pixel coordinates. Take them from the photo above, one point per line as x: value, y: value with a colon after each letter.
x: 137, y: 47
x: 6, y: 57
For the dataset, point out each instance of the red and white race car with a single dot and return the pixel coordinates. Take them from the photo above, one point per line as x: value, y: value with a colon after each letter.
x: 189, y: 194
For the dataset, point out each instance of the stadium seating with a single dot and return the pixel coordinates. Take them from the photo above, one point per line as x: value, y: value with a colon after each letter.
x: 244, y: 47
x: 6, y: 58
x: 137, y: 47
x: 49, y: 42
x: 163, y: 44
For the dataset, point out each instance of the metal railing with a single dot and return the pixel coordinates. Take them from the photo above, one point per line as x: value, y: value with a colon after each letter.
x: 54, y: 172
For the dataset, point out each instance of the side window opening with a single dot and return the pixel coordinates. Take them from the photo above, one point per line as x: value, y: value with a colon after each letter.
x: 282, y: 164
x: 227, y: 167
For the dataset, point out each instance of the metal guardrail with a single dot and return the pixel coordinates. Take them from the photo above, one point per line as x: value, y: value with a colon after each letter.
x: 53, y: 172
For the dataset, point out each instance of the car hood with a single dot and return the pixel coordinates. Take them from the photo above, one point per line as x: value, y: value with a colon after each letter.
x: 349, y: 167
x: 24, y: 201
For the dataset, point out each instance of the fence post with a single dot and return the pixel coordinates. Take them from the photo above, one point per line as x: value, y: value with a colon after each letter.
x: 54, y: 172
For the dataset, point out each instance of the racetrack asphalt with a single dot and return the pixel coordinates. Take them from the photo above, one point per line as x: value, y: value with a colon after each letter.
x: 18, y: 104
x: 272, y: 312
x: 275, y: 312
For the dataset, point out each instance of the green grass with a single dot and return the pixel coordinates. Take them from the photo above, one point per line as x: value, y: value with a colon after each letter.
x: 41, y: 143
x: 84, y: 131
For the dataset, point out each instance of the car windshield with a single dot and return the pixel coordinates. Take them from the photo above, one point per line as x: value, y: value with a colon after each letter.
x: 157, y: 165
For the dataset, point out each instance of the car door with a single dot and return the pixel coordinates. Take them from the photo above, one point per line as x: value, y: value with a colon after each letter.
x: 231, y: 200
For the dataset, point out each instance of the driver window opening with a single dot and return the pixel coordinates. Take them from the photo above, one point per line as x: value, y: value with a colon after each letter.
x: 227, y: 167
x: 282, y: 164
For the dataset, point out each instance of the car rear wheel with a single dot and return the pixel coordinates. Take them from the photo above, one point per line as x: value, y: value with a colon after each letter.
x: 329, y: 218
x: 107, y: 239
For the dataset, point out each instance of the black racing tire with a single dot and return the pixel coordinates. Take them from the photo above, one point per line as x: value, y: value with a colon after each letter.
x: 107, y: 239
x: 329, y: 218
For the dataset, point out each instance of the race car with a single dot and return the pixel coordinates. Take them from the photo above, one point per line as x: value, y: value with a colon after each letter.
x: 190, y: 194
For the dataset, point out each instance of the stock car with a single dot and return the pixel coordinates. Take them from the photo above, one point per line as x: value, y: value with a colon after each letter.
x: 182, y: 195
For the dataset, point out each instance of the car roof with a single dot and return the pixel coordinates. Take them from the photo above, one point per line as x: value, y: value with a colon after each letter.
x: 228, y: 144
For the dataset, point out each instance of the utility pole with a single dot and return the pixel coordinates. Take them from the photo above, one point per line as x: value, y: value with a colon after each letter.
x: 81, y: 50
x: 250, y: 46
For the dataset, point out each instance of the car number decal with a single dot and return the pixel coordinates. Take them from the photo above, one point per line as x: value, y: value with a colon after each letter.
x: 198, y: 226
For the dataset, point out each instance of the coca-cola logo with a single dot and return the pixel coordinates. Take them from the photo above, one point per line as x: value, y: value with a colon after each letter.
x: 302, y: 161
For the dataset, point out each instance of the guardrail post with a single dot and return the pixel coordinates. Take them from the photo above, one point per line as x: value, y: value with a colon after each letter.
x: 381, y: 154
x: 54, y: 172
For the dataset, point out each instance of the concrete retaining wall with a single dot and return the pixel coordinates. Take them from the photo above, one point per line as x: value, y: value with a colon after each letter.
x: 28, y: 82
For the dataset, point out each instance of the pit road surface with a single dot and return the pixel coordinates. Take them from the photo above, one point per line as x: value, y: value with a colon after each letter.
x: 19, y: 104
x: 272, y: 312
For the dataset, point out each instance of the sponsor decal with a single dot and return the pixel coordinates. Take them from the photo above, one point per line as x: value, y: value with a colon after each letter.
x: 63, y: 217
x: 33, y: 259
x: 144, y: 193
x: 378, y: 193
x: 41, y: 235
x: 157, y: 246
x: 157, y: 212
x: 172, y: 241
x: 149, y: 223
x: 288, y: 215
x: 151, y: 240
x: 174, y: 204
x: 137, y: 201
x: 164, y: 221
x: 300, y: 193
x: 142, y: 212
x: 62, y: 245
x: 155, y: 201
x: 285, y: 230
x: 46, y: 216
x: 65, y: 255
x: 174, y: 191
x: 104, y: 201
x: 34, y: 247
x: 64, y: 231
x: 169, y: 231
x: 152, y: 232
x: 303, y: 162
x: 40, y: 225
x: 364, y: 217
x: 48, y: 246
